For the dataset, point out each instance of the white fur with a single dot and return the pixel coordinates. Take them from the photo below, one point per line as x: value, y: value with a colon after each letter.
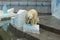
x: 32, y: 16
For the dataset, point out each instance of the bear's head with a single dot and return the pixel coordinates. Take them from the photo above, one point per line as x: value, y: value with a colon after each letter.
x: 29, y: 17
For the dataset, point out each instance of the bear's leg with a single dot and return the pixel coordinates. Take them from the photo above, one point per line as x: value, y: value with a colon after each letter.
x: 35, y: 21
x: 32, y: 21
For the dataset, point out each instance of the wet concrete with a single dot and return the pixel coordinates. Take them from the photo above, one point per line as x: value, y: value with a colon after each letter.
x: 44, y: 35
x: 4, y: 34
x: 50, y: 23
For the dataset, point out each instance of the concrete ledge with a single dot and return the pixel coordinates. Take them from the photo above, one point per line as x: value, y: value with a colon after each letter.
x: 50, y: 29
x: 20, y: 34
x: 50, y: 23
x: 40, y: 14
x: 3, y: 19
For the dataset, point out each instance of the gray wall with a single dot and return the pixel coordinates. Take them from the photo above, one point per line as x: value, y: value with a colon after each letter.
x: 40, y: 9
x: 26, y: 0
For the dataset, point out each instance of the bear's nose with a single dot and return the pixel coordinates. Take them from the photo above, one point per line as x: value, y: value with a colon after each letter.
x: 30, y: 18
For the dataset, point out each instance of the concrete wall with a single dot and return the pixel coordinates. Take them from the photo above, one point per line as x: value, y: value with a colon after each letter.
x: 40, y: 9
x: 26, y: 0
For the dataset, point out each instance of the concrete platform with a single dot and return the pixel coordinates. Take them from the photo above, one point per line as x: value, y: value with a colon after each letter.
x: 21, y: 34
x: 45, y: 35
x: 50, y: 23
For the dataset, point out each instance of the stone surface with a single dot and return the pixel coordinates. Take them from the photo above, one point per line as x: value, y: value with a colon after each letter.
x: 50, y: 21
x: 45, y: 35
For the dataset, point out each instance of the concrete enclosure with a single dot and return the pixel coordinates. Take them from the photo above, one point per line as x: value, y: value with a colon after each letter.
x: 42, y: 6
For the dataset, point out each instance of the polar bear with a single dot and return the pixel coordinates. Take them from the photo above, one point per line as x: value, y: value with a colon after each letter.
x: 31, y: 17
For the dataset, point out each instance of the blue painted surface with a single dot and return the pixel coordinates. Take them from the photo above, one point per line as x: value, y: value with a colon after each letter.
x: 57, y: 2
x: 5, y: 26
x: 4, y: 8
x: 26, y: 3
x: 29, y: 26
x: 56, y: 8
